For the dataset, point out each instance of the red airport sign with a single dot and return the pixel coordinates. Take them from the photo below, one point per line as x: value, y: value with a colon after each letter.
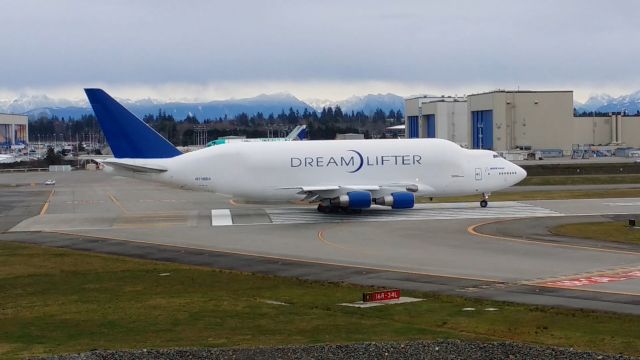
x: 384, y: 295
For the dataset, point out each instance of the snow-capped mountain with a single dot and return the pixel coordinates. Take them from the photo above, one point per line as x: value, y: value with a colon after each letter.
x: 318, y: 104
x: 577, y: 104
x: 370, y: 103
x: 367, y: 104
x: 24, y: 103
x: 596, y: 101
x: 606, y: 103
x: 266, y: 103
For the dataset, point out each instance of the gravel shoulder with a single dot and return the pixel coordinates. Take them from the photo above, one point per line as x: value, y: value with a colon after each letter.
x: 450, y: 350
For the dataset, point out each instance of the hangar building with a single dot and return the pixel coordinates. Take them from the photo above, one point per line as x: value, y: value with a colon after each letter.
x: 505, y: 120
x: 441, y: 117
x: 14, y: 130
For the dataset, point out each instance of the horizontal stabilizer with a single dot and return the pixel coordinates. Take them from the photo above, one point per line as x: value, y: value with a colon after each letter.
x: 135, y: 166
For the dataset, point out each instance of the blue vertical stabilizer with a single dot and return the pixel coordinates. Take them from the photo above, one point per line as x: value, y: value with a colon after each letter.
x: 128, y: 136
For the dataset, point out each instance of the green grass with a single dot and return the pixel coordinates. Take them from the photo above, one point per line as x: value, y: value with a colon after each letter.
x: 542, y: 195
x: 580, y: 180
x: 61, y: 301
x: 616, y: 231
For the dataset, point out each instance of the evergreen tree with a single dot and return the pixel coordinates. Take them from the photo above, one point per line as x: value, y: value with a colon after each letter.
x: 379, y: 116
x: 399, y: 117
x: 330, y: 114
x: 391, y: 114
x: 337, y: 113
x: 52, y: 158
x: 292, y: 118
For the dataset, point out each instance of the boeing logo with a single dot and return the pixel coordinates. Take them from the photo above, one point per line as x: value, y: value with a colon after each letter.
x: 356, y: 161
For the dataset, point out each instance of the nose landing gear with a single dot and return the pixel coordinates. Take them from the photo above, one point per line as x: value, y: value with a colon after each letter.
x: 485, y: 200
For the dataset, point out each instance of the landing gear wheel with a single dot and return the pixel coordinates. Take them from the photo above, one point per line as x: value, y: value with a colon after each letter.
x: 324, y: 209
x: 484, y: 203
x: 350, y: 211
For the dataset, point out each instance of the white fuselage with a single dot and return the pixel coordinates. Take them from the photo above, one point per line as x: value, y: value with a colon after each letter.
x: 275, y: 171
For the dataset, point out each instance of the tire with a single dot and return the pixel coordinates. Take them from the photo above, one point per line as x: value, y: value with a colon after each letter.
x: 350, y: 211
x: 484, y: 203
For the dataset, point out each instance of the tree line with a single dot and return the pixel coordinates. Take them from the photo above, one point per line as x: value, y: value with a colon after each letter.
x: 585, y: 113
x: 181, y: 132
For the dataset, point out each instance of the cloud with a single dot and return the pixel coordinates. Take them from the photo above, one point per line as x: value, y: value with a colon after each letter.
x: 217, y: 45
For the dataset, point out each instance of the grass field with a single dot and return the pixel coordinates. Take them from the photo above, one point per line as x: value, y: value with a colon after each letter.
x: 61, y: 301
x: 617, y: 231
x: 543, y: 195
x: 580, y: 180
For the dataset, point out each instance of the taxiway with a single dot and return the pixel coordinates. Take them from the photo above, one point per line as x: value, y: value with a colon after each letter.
x: 452, y: 248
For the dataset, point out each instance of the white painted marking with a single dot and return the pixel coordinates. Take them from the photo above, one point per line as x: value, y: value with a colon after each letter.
x: 437, y: 211
x: 623, y: 204
x: 273, y: 302
x: 221, y: 217
x: 421, y: 212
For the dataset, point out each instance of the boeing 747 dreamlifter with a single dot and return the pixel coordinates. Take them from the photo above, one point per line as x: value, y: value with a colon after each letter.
x: 341, y: 175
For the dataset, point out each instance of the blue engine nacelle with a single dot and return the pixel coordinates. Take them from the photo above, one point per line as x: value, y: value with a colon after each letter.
x: 353, y: 200
x: 397, y: 200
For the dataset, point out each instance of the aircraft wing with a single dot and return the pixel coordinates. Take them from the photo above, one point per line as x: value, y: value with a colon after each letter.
x: 135, y: 166
x: 330, y: 191
x: 315, y: 193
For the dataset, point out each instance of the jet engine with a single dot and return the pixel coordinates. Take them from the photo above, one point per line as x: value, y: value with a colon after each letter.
x: 353, y: 200
x: 397, y: 200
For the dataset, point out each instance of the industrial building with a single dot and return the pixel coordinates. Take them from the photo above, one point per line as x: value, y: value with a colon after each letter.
x: 505, y: 120
x: 14, y: 130
x: 437, y: 117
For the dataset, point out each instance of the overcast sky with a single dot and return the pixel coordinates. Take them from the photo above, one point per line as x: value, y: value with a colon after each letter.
x: 316, y: 49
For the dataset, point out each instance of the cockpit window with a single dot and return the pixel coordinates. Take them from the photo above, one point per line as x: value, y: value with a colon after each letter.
x: 496, y: 156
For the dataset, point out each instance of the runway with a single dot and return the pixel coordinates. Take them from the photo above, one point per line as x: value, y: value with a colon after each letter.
x: 436, y: 247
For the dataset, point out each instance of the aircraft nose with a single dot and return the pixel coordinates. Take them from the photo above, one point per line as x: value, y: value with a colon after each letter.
x: 520, y: 173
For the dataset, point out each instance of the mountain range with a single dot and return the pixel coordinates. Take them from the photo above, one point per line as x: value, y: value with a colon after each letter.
x: 37, y: 105
x: 367, y: 104
x: 607, y: 103
x: 266, y: 103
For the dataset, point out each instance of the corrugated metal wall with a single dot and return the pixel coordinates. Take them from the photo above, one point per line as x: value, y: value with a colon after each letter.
x: 482, y: 129
x: 413, y: 130
x: 431, y: 125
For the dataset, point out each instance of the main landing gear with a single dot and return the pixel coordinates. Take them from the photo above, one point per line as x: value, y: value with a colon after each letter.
x: 329, y: 209
x: 325, y: 209
x: 485, y: 200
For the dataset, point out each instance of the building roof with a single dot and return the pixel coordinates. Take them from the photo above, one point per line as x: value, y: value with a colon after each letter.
x: 434, y: 97
x: 521, y: 91
x: 451, y: 100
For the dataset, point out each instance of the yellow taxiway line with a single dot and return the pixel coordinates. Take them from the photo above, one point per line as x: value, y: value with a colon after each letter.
x: 45, y: 207
x: 473, y: 231
x: 321, y: 236
x: 272, y: 257
x: 117, y: 203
